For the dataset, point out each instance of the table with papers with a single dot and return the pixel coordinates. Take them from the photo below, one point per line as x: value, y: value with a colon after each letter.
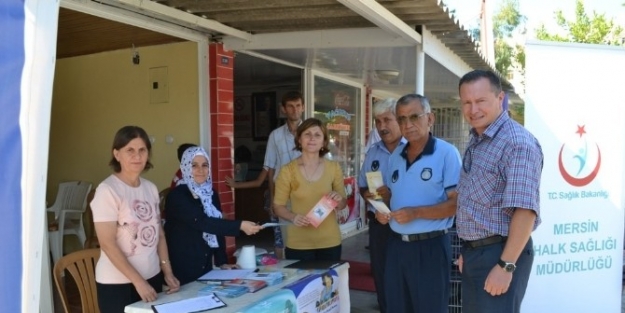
x: 190, y: 291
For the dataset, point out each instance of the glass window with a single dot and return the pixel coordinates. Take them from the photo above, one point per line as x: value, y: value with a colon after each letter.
x: 338, y: 106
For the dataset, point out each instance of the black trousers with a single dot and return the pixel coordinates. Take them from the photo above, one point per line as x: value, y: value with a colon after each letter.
x: 378, y: 241
x: 417, y: 276
x: 324, y: 254
x: 113, y: 298
x: 477, y: 263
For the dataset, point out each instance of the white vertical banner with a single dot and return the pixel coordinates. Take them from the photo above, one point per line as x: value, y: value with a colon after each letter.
x: 40, y: 40
x: 575, y: 107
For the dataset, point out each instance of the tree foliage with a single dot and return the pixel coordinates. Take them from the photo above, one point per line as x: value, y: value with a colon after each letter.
x: 508, y: 21
x: 595, y: 29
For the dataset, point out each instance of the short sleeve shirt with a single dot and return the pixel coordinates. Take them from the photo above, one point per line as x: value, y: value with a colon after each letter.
x: 292, y: 186
x: 424, y: 182
x: 136, y: 212
x: 376, y: 159
x: 501, y: 171
x: 280, y: 149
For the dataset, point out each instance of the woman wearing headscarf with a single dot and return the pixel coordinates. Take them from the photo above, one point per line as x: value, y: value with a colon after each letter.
x: 194, y: 220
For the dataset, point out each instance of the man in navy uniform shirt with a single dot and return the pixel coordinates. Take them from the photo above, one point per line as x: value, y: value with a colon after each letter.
x: 422, y: 178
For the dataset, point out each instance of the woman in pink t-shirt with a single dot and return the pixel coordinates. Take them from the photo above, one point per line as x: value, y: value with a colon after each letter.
x: 134, y: 259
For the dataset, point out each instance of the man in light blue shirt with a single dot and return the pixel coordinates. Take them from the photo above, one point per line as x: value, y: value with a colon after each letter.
x: 281, y: 144
x: 422, y: 178
x: 376, y: 160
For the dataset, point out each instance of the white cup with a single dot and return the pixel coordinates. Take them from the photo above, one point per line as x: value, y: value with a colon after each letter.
x: 247, y: 257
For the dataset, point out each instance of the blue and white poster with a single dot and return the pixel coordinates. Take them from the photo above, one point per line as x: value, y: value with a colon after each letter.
x: 575, y: 108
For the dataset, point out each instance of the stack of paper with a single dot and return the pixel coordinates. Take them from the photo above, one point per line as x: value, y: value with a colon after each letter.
x: 220, y: 275
x: 252, y: 285
x: 271, y: 278
x: 223, y: 290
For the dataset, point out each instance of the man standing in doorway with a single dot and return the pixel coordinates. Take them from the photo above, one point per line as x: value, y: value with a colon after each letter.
x: 376, y: 160
x: 498, y: 200
x: 281, y: 147
x: 422, y: 178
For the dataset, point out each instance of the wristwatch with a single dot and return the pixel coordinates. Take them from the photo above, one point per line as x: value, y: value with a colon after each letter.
x: 507, y: 266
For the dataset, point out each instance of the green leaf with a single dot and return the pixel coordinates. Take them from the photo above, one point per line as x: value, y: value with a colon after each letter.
x: 585, y: 28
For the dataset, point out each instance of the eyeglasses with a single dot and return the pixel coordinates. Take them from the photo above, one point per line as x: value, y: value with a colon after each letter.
x: 403, y: 120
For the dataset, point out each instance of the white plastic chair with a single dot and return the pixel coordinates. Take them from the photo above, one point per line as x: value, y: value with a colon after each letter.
x: 68, y: 209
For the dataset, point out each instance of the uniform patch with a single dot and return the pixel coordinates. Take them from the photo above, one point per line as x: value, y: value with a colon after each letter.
x: 395, y: 176
x: 426, y: 174
x: 375, y: 165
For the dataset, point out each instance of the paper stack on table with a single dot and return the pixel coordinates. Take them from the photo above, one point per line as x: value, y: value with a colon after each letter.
x: 225, y: 274
x: 252, y: 285
x: 271, y: 278
x: 227, y: 291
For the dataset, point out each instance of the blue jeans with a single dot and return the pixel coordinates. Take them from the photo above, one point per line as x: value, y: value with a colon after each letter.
x: 277, y: 232
x: 477, y: 263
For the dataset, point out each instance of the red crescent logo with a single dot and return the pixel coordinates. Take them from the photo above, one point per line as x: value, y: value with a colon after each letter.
x: 579, y: 182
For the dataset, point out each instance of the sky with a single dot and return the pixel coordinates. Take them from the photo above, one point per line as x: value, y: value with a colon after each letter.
x: 540, y: 11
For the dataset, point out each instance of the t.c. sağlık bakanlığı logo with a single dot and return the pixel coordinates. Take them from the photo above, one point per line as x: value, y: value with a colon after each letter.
x: 579, y: 159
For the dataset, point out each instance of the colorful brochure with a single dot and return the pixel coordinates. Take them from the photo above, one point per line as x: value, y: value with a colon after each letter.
x: 223, y: 290
x: 252, y: 285
x: 321, y: 210
x: 271, y: 278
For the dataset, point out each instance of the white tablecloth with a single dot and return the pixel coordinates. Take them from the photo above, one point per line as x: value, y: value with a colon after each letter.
x: 234, y: 304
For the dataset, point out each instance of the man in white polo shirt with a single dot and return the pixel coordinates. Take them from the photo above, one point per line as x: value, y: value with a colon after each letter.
x: 281, y: 146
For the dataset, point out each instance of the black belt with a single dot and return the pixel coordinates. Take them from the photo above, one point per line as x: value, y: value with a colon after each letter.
x: 472, y: 244
x: 421, y: 236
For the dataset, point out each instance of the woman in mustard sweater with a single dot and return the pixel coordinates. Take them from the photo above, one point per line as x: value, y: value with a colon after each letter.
x: 304, y: 182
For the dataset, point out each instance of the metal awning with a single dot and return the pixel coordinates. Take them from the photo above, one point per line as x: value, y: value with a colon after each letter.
x: 277, y: 16
x: 393, y: 23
